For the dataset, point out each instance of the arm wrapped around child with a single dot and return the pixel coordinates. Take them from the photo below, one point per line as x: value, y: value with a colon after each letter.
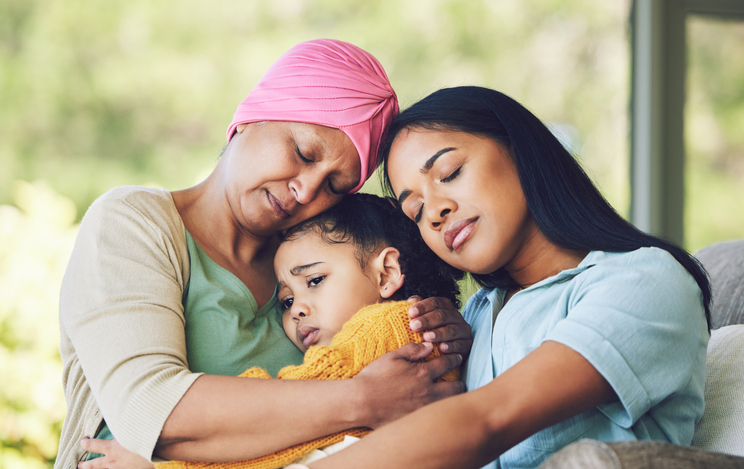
x: 369, y: 334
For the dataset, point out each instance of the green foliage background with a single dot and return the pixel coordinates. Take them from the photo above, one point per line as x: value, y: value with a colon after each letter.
x: 101, y: 94
x: 95, y: 95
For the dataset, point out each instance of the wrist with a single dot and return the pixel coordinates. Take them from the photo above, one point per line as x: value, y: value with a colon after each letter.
x: 360, y: 410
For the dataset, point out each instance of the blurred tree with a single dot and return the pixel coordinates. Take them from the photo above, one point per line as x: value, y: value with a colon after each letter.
x: 35, y: 244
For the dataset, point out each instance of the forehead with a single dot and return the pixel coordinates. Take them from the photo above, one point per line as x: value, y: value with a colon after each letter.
x: 309, y: 248
x: 411, y: 150
x: 416, y: 150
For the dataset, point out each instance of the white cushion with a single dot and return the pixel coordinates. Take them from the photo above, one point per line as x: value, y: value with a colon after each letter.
x: 721, y: 428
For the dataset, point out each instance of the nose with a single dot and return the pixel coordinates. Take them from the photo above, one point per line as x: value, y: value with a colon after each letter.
x: 305, y: 187
x: 437, y: 210
x: 299, y: 310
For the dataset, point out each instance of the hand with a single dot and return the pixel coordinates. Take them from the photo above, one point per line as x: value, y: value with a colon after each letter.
x: 441, y: 324
x: 401, y: 381
x: 114, y: 456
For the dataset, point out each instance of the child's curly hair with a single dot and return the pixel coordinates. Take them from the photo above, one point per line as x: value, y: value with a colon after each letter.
x: 373, y: 223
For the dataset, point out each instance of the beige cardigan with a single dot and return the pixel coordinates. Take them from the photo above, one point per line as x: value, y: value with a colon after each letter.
x: 121, y: 321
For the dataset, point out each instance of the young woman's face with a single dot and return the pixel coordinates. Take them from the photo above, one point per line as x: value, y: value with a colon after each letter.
x: 464, y: 193
x: 281, y: 173
x: 321, y: 286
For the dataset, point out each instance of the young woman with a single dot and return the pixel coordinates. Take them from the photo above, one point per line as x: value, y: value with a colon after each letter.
x: 585, y: 327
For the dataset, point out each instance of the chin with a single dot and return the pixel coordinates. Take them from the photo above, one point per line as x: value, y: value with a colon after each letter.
x: 476, y: 268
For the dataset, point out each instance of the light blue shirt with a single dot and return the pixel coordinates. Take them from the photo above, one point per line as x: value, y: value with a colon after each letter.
x: 637, y: 317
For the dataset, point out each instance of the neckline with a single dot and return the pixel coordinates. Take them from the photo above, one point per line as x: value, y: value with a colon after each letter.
x: 233, y: 279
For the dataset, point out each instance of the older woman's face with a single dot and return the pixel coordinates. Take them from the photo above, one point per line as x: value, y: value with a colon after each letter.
x: 281, y: 173
x: 464, y: 193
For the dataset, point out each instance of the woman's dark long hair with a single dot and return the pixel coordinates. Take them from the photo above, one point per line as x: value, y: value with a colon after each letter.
x: 567, y: 207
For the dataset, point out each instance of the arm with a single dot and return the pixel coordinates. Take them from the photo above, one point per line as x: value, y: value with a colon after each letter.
x: 247, y: 422
x: 532, y: 395
x: 223, y: 418
x: 480, y: 425
x: 367, y: 336
x: 121, y: 319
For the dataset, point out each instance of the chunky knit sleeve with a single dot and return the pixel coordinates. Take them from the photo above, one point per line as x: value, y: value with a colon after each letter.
x: 368, y: 335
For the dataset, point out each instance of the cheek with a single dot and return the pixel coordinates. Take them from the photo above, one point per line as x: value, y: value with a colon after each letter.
x: 346, y: 305
x: 435, y: 243
x: 323, y: 201
x: 288, y: 324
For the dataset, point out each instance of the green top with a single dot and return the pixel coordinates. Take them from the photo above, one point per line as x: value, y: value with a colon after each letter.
x: 226, y: 332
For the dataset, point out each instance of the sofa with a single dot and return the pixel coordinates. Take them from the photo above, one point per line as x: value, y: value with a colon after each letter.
x: 718, y: 442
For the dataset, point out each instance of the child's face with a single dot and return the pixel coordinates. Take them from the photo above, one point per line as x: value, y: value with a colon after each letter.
x: 321, y: 286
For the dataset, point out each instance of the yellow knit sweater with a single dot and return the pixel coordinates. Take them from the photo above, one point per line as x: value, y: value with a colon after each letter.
x: 369, y: 334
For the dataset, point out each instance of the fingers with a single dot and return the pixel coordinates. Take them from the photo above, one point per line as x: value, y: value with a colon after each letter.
x: 440, y: 366
x: 441, y: 323
x: 449, y: 333
x: 448, y: 388
x: 95, y: 445
x: 413, y: 352
x: 456, y: 346
x: 429, y: 304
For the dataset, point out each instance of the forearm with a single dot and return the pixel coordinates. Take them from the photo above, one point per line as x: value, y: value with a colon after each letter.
x: 223, y: 418
x: 446, y: 434
x: 477, y: 427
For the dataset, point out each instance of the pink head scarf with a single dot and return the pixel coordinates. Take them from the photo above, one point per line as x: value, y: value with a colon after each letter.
x: 330, y: 83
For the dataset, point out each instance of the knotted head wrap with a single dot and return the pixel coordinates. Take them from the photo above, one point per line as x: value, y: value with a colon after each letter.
x: 330, y: 83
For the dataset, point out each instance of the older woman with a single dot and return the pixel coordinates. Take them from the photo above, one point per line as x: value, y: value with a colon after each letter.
x: 168, y: 296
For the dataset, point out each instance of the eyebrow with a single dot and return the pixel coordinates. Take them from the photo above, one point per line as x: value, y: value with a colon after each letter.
x: 425, y: 169
x: 297, y: 270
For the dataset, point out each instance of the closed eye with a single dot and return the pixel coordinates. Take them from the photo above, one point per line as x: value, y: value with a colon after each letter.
x: 452, y: 175
x: 302, y: 157
x: 417, y: 217
x: 332, y: 189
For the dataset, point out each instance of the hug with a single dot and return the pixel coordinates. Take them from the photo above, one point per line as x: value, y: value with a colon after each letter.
x: 584, y: 326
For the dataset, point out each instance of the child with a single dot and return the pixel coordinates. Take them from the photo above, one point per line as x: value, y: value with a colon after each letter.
x: 339, y: 276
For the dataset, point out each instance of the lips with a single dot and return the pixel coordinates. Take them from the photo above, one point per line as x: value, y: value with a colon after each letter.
x: 458, y: 232
x: 278, y: 208
x: 308, y: 335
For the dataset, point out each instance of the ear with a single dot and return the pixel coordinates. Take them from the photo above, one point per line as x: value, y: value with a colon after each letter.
x: 387, y: 272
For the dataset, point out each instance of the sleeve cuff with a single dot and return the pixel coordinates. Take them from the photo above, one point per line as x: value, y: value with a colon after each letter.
x: 139, y: 431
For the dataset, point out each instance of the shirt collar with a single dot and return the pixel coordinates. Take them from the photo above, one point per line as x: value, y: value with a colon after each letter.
x: 591, y: 259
